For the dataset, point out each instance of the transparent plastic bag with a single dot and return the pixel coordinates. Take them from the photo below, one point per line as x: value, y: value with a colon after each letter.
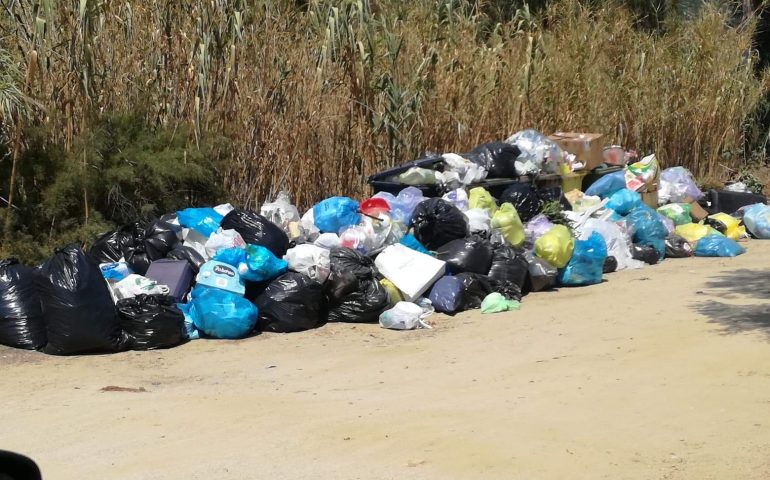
x: 281, y: 212
x: 418, y: 176
x: 310, y: 260
x: 757, y: 220
x: 403, y: 204
x: 677, y: 185
x: 457, y: 197
x: 537, y: 152
x: 467, y: 171
x: 407, y: 315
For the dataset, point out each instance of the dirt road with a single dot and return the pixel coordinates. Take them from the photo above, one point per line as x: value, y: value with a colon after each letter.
x: 660, y: 373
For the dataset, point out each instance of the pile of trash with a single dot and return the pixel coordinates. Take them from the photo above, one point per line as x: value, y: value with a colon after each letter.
x: 394, y: 258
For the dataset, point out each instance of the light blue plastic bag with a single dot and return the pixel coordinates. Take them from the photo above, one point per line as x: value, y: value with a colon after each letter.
x: 203, y: 220
x: 607, y: 185
x: 403, y: 205
x: 717, y: 246
x: 335, y: 213
x: 190, y: 332
x: 222, y: 314
x: 408, y: 240
x: 648, y: 229
x: 757, y: 220
x: 585, y: 265
x: 254, y: 263
x: 624, y: 201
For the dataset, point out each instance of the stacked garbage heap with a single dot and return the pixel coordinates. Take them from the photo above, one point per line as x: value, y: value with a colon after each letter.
x: 446, y: 233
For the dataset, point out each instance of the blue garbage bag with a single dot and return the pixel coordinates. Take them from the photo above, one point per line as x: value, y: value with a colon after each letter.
x: 190, y: 332
x: 757, y: 220
x: 408, y: 240
x: 648, y: 229
x: 585, y: 265
x: 222, y: 314
x: 203, y: 220
x: 446, y: 295
x: 254, y: 263
x: 624, y: 201
x: 717, y: 246
x: 607, y: 185
x: 335, y: 213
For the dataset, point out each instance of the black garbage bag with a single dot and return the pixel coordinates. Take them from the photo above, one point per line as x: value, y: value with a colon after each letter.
x: 347, y: 260
x: 159, y: 239
x: 645, y: 253
x: 109, y: 247
x: 77, y: 307
x: 292, y: 302
x: 472, y: 254
x: 257, y: 230
x: 437, y: 222
x: 677, y: 247
x: 137, y: 258
x: 475, y: 288
x: 550, y: 194
x: 361, y: 306
x: 192, y: 256
x: 151, y: 321
x: 499, y: 158
x: 610, y: 264
x: 508, y: 266
x: 525, y: 198
x: 21, y: 319
x: 541, y: 275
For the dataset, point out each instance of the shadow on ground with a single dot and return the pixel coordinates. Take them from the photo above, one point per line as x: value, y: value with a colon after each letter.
x: 750, y: 289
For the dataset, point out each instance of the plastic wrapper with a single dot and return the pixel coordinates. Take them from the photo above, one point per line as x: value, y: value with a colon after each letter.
x: 607, y: 185
x: 555, y: 247
x: 478, y: 220
x: 679, y: 213
x: 151, y: 322
x: 222, y: 314
x: 524, y: 198
x: 77, y: 307
x: 446, y: 294
x: 678, y: 247
x: 537, y: 151
x: 541, y: 275
x: 717, y: 246
x: 497, y: 303
x: 457, y: 197
x: 310, y: 260
x: 292, y: 302
x: 281, y: 212
x: 757, y: 220
x: 648, y: 229
x: 585, y: 267
x: 506, y: 219
x: 407, y: 315
x: 257, y: 230
x: 692, y: 232
x: 21, y: 319
x: 677, y: 185
x: 115, y: 271
x: 499, y: 158
x: 729, y: 226
x: 224, y: 239
x: 203, y: 220
x: 473, y: 254
x: 437, y: 223
x: 624, y: 201
x: 641, y: 173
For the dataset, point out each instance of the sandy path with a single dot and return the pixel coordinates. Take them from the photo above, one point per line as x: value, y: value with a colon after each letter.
x: 661, y: 373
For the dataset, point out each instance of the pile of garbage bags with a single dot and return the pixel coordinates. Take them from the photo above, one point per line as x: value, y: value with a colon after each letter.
x: 395, y: 258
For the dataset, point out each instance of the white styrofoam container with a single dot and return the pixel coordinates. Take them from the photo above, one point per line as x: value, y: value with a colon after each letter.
x: 410, y: 271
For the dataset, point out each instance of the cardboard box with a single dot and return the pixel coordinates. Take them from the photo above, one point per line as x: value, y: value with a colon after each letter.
x: 650, y: 198
x: 696, y: 211
x: 588, y: 148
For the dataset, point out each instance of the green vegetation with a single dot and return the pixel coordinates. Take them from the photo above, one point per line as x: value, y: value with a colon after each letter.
x: 143, y: 107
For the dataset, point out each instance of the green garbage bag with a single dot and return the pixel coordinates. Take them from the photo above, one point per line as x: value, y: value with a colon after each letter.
x: 496, y: 302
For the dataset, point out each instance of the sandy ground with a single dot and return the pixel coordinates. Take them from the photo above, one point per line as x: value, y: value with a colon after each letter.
x: 660, y: 373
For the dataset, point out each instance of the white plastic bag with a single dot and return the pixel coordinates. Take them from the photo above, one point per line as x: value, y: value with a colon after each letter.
x: 327, y: 240
x: 407, y: 315
x: 224, y: 209
x: 478, y: 220
x: 134, y: 285
x: 311, y: 260
x: 457, y: 197
x: 618, y: 243
x: 281, y: 212
x: 467, y: 171
x: 223, y: 239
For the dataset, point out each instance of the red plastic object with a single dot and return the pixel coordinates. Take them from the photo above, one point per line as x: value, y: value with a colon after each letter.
x: 374, y: 206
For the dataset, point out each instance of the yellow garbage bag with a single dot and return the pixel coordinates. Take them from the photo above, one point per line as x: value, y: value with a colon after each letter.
x: 555, y: 247
x: 733, y: 228
x: 507, y: 220
x: 479, y: 198
x: 394, y: 294
x: 692, y: 232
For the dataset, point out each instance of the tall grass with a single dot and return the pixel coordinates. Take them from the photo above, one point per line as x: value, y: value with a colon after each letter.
x: 315, y: 96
